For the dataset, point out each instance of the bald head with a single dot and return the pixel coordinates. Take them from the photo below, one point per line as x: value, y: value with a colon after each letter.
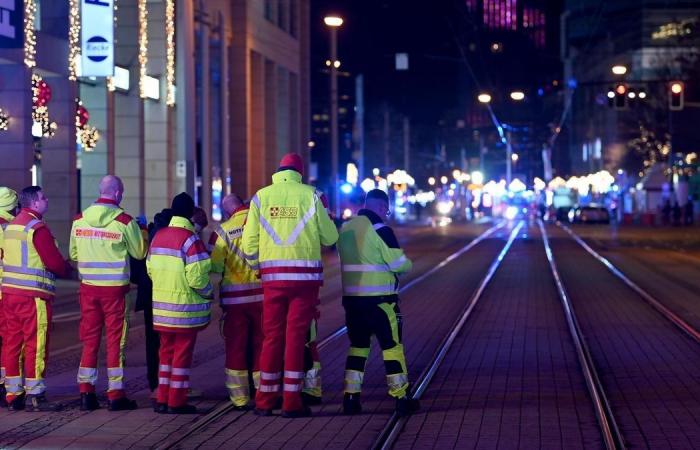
x: 112, y: 187
x: 230, y: 203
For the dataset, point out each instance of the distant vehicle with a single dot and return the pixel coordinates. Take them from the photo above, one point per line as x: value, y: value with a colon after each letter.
x: 562, y: 213
x: 590, y: 214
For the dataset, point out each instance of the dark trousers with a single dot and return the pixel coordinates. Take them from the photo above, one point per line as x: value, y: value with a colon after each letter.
x: 152, y: 349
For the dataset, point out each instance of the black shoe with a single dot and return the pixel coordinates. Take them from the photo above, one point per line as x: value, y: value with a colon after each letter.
x: 122, y: 404
x: 184, y: 409
x: 406, y: 406
x: 305, y: 411
x: 39, y: 403
x: 17, y: 404
x: 3, y: 393
x: 310, y: 400
x: 351, y: 404
x: 241, y: 407
x: 160, y: 408
x: 262, y: 412
x: 88, y: 402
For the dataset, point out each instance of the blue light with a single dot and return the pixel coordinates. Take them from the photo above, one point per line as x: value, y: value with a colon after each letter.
x: 572, y: 83
x: 540, y: 92
x: 346, y: 188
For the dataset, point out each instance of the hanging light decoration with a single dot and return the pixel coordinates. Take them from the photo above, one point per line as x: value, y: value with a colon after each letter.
x: 85, y: 135
x: 81, y: 115
x: 41, y: 96
x: 170, y: 52
x: 29, y: 33
x: 73, y: 38
x: 4, y: 121
x: 143, y: 46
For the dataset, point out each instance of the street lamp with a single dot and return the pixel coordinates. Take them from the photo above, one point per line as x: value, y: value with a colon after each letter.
x: 517, y: 95
x: 333, y: 22
x: 619, y: 69
x: 484, y: 98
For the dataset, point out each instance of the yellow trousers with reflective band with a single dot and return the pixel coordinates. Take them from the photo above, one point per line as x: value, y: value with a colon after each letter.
x: 383, y: 320
x: 312, y: 363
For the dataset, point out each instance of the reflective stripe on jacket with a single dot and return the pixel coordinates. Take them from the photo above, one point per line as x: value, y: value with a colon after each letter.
x: 179, y: 265
x: 368, y: 265
x: 5, y: 219
x: 287, y: 224
x: 240, y: 283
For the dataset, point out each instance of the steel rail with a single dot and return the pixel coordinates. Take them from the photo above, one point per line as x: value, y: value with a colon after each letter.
x: 606, y: 420
x: 226, y: 407
x: 395, y: 423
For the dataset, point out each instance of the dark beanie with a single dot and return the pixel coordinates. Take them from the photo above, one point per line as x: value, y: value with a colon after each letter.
x: 183, y: 205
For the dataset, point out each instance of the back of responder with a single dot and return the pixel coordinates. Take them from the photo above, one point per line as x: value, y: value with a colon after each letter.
x: 102, y: 239
x: 371, y: 260
x: 8, y: 210
x: 287, y: 224
x: 241, y: 296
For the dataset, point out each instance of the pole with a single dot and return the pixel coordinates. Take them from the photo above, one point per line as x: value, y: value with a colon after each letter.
x: 509, y: 158
x: 406, y: 144
x: 334, y: 121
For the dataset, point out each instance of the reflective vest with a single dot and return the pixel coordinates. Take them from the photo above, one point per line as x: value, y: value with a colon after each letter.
x: 179, y: 265
x: 5, y: 219
x: 23, y: 271
x: 240, y: 283
x: 287, y: 224
x: 101, y: 240
x: 368, y: 265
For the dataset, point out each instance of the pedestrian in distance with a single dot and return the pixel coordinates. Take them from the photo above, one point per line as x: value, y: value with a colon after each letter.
x: 102, y: 239
x: 8, y: 211
x: 179, y: 265
x: 371, y: 260
x: 241, y: 296
x: 287, y: 224
x: 31, y: 263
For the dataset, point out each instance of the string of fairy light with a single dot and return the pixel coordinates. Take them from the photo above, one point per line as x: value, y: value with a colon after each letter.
x: 111, y: 86
x: 73, y: 38
x: 143, y: 46
x: 170, y: 52
x: 29, y: 33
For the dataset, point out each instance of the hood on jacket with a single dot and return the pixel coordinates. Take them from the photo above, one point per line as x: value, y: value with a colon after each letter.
x: 99, y: 215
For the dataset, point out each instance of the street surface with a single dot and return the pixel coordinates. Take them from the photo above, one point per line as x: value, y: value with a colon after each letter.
x: 512, y: 377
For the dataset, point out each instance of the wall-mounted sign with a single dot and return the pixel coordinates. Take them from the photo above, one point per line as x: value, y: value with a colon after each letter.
x: 97, y: 38
x: 11, y: 23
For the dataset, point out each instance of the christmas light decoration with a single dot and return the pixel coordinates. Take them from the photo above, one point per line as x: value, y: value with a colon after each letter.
x: 81, y: 115
x: 4, y: 120
x: 85, y: 135
x: 143, y: 46
x: 111, y: 86
x: 41, y: 96
x: 170, y: 52
x: 73, y: 38
x: 29, y: 33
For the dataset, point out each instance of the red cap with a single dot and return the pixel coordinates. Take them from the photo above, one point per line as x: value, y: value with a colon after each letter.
x: 292, y: 161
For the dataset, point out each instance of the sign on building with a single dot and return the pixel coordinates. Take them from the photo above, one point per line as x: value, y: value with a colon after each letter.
x: 11, y: 23
x: 97, y: 49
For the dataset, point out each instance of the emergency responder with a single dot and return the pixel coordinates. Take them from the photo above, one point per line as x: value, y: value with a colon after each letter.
x: 287, y: 224
x: 241, y: 297
x: 179, y: 265
x: 371, y: 260
x: 101, y: 240
x: 31, y: 263
x: 8, y: 210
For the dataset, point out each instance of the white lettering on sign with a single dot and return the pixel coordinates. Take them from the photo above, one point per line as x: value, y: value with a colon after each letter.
x: 7, y: 7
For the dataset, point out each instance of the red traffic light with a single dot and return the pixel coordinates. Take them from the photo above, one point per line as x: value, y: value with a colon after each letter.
x: 676, y: 94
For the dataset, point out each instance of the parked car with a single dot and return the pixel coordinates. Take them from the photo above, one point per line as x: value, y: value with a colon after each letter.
x: 590, y: 214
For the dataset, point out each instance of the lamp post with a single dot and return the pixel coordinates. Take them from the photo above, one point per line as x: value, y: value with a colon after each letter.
x: 334, y: 22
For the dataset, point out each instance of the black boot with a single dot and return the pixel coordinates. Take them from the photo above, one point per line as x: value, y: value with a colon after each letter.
x: 122, y: 404
x: 160, y: 408
x: 3, y: 393
x: 305, y: 411
x: 310, y: 400
x: 17, y: 404
x: 351, y: 404
x: 184, y: 409
x: 406, y: 406
x: 88, y: 401
x: 39, y: 403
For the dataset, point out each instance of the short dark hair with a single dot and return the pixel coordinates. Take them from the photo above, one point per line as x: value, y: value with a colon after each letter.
x: 29, y: 195
x: 377, y: 194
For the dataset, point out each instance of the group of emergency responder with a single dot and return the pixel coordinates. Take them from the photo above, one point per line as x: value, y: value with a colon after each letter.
x: 268, y: 253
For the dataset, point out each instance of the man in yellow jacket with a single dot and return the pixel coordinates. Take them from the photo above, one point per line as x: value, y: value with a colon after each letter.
x: 179, y: 265
x: 287, y: 224
x: 241, y: 298
x: 8, y: 210
x: 102, y: 239
x: 371, y: 260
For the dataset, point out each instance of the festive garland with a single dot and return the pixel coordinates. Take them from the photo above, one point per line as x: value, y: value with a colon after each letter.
x: 41, y: 96
x: 85, y: 135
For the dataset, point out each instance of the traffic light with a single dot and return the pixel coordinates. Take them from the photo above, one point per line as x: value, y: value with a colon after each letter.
x: 620, y: 96
x: 675, y: 96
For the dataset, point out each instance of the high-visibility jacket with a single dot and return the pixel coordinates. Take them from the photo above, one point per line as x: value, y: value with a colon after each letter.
x: 179, y: 265
x: 368, y: 265
x: 101, y: 240
x: 5, y: 219
x: 240, y: 283
x: 287, y: 224
x: 23, y: 271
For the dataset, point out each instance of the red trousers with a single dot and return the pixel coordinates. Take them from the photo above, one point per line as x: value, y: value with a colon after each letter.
x: 26, y: 343
x: 96, y: 311
x: 287, y: 315
x: 176, y: 349
x: 2, y: 338
x: 242, y: 329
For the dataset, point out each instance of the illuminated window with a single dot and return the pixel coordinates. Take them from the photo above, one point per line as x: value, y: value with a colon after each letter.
x: 501, y: 14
